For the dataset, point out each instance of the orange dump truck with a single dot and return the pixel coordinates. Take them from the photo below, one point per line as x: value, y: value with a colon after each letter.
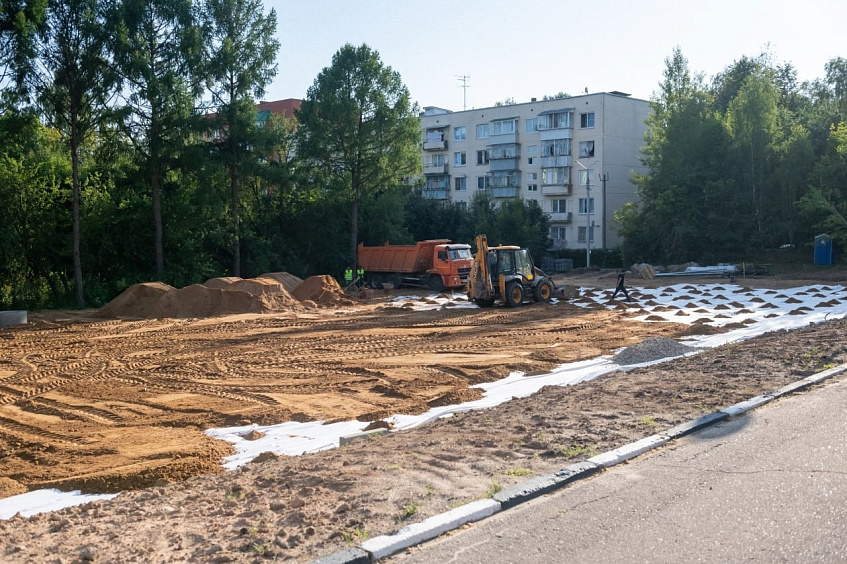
x: 436, y: 264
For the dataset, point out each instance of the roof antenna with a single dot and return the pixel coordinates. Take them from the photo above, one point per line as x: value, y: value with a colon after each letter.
x: 464, y: 79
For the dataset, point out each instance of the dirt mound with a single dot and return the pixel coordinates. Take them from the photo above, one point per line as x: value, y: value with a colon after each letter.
x: 323, y: 290
x: 139, y: 300
x: 9, y: 487
x: 199, y: 301
x: 221, y: 283
x: 271, y: 291
x: 289, y: 281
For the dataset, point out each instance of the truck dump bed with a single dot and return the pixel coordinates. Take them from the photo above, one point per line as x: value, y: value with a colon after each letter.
x: 399, y: 258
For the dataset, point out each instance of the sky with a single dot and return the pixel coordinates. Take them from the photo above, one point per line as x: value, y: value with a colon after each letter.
x: 512, y: 49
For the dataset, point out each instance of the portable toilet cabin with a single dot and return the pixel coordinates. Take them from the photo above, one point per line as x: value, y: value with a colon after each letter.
x: 823, y: 249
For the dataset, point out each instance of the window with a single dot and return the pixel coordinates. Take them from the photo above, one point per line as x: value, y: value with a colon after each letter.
x: 586, y: 209
x: 531, y: 125
x: 460, y: 183
x: 558, y: 120
x: 532, y: 188
x: 586, y: 120
x: 557, y: 233
x: 504, y: 126
x: 482, y: 131
x: 556, y: 148
x: 461, y: 205
x: 434, y: 136
x: 483, y: 182
x: 505, y: 151
x: 532, y: 176
x: 559, y: 206
x: 482, y: 157
x: 586, y: 149
x: 532, y: 150
x: 437, y: 160
x: 437, y: 183
x: 529, y: 160
x: 585, y: 176
x: 460, y: 133
x: 580, y: 234
x: 557, y: 176
x: 460, y: 159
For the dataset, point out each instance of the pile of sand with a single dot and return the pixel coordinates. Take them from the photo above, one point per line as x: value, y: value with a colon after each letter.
x: 139, y: 300
x: 221, y: 283
x: 288, y: 281
x: 323, y: 290
x: 226, y: 296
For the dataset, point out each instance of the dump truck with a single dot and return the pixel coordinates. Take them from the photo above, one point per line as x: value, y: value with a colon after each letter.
x: 506, y: 274
x: 435, y: 263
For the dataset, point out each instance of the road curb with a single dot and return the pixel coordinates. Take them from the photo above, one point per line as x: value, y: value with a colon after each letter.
x: 379, y: 547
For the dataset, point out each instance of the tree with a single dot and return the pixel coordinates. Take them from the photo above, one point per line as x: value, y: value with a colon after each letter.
x: 20, y: 23
x: 242, y: 51
x: 359, y: 125
x: 157, y: 52
x: 825, y: 203
x: 73, y: 85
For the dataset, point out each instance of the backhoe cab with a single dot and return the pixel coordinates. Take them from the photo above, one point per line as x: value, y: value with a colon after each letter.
x: 507, y: 274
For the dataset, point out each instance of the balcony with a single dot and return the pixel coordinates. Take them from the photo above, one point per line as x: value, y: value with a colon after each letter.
x: 557, y: 190
x: 505, y: 192
x: 556, y: 217
x: 557, y: 244
x: 436, y: 194
x: 435, y: 145
x: 559, y: 161
x: 435, y: 169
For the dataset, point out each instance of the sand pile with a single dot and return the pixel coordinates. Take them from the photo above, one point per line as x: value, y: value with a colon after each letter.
x: 288, y: 281
x: 139, y: 300
x: 323, y: 290
x: 226, y: 296
x: 199, y: 301
x: 221, y: 283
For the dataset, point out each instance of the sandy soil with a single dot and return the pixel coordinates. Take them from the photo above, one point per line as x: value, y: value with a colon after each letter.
x: 121, y: 405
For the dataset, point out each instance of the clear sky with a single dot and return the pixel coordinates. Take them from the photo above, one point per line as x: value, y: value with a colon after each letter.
x: 521, y: 50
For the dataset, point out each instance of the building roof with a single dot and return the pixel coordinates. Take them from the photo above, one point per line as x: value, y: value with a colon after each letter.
x: 285, y: 107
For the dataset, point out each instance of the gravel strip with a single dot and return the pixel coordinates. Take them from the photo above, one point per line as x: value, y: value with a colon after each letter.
x: 650, y: 349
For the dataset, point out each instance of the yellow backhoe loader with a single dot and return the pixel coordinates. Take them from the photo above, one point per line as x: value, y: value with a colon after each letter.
x: 506, y: 274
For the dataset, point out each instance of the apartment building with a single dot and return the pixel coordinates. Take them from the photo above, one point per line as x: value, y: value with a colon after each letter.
x: 575, y: 156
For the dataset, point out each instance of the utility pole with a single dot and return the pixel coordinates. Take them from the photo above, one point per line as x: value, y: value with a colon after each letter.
x: 464, y: 79
x: 588, y: 219
x: 604, y: 178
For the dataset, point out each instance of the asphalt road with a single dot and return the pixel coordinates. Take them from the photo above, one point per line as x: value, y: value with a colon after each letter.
x: 769, y: 486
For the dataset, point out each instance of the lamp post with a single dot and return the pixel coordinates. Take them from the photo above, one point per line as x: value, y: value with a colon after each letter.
x: 588, y: 206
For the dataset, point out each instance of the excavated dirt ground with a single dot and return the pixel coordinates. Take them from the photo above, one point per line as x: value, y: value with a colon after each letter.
x: 113, y: 405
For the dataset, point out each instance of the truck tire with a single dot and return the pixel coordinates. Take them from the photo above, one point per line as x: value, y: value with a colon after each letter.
x: 393, y: 279
x: 514, y: 294
x: 376, y: 281
x: 435, y: 283
x: 484, y: 302
x: 543, y: 291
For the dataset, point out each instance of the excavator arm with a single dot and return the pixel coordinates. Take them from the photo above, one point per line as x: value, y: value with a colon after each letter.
x: 479, y: 282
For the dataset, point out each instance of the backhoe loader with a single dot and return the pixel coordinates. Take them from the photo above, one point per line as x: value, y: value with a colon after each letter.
x: 506, y: 274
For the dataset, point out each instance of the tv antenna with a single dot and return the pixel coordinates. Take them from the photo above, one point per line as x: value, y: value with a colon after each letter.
x: 464, y: 79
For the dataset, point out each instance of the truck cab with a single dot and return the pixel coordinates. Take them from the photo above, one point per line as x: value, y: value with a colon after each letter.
x: 452, y: 266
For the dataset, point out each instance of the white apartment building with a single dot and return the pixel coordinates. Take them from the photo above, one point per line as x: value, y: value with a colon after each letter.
x: 575, y: 156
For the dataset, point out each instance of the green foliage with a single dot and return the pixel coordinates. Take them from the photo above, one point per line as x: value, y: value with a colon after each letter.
x: 825, y: 203
x: 359, y: 126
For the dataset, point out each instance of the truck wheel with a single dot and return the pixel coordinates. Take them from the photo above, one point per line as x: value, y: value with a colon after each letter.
x: 393, y: 279
x: 514, y: 294
x: 376, y: 281
x: 435, y: 283
x: 543, y: 291
x: 484, y: 302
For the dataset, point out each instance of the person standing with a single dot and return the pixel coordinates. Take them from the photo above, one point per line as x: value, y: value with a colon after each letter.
x: 620, y: 287
x: 360, y: 277
x: 348, y: 277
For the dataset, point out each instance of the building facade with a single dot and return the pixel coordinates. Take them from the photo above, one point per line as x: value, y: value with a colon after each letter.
x: 575, y: 156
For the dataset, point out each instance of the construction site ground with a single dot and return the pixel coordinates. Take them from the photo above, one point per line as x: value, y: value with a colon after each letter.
x: 118, y: 405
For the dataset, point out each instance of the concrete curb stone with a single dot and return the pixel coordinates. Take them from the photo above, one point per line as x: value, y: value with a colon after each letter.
x: 631, y: 450
x: 536, y: 487
x: 416, y: 533
x: 747, y: 405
